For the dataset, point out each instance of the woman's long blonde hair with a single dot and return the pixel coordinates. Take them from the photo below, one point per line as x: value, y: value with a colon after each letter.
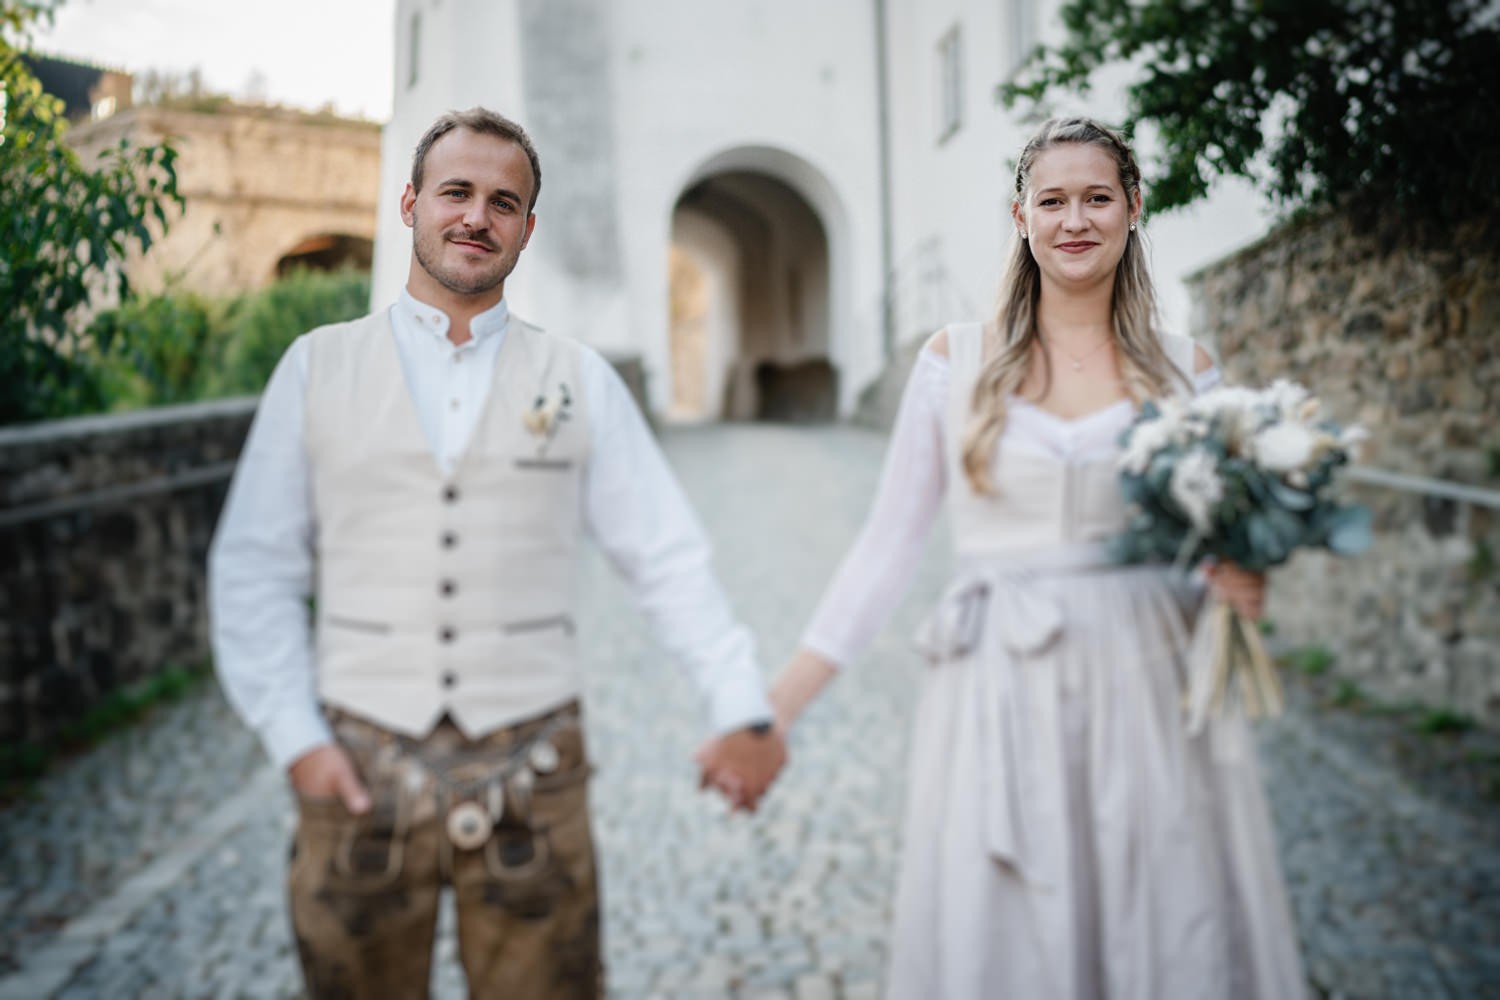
x: 1009, y: 340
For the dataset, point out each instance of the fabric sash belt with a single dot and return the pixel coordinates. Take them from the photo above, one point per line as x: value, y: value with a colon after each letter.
x: 996, y: 612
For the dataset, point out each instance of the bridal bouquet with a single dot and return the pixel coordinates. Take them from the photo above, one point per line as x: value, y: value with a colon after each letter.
x: 1240, y: 475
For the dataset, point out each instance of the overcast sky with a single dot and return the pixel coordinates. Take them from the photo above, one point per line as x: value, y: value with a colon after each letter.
x: 305, y: 53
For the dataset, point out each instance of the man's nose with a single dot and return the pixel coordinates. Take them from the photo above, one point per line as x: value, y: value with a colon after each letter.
x: 476, y: 216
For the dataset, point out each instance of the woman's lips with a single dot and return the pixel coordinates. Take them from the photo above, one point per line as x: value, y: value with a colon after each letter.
x: 1078, y: 247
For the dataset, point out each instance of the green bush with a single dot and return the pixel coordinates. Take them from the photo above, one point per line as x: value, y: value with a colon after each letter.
x: 155, y: 351
x: 262, y: 324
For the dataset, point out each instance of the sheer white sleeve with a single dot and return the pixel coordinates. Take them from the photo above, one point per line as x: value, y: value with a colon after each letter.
x: 880, y: 565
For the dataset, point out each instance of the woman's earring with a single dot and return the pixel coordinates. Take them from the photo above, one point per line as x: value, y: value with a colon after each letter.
x: 1132, y: 227
x: 1023, y: 232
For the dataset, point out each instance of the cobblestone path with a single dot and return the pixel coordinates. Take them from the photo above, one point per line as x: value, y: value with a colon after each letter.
x: 152, y: 866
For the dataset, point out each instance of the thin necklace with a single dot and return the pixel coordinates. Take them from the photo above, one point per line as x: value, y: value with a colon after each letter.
x: 1077, y: 360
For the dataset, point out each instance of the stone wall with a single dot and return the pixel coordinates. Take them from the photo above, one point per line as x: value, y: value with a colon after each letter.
x: 105, y: 524
x: 1402, y: 340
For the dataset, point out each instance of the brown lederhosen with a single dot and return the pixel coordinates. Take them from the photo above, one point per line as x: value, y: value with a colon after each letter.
x: 364, y: 890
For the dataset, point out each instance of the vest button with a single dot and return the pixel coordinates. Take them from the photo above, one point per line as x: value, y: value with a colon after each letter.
x: 450, y: 494
x: 447, y: 633
x: 450, y: 539
x: 447, y: 588
x: 450, y: 679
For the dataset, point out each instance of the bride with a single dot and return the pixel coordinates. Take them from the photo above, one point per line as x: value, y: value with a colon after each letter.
x: 1064, y: 837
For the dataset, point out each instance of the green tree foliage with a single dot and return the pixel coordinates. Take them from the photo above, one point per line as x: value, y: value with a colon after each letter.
x: 180, y: 346
x: 162, y: 349
x: 1372, y: 104
x: 65, y: 230
x: 263, y: 324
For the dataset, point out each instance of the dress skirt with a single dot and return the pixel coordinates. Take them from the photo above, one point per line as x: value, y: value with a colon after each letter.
x: 1065, y: 838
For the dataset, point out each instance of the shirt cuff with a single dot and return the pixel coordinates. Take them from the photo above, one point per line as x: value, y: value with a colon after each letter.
x: 293, y: 732
x: 738, y: 700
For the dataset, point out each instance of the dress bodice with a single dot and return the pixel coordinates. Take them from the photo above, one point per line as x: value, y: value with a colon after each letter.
x: 1055, y: 479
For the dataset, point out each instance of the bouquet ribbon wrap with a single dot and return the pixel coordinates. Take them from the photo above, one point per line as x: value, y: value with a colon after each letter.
x: 1228, y: 666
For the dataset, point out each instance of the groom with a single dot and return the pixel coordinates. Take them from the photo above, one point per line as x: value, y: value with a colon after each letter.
x: 426, y: 474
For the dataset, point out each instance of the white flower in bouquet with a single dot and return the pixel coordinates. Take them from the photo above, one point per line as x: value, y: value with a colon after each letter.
x: 1235, y: 410
x: 1285, y: 447
x: 1197, y: 488
x: 1352, y: 440
x: 1290, y: 400
x: 1146, y: 442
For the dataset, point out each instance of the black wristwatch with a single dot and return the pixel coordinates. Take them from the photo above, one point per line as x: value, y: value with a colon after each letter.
x: 762, y: 728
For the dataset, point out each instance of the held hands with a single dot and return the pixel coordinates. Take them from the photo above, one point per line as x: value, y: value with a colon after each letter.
x: 326, y: 772
x: 741, y: 765
x: 1241, y: 589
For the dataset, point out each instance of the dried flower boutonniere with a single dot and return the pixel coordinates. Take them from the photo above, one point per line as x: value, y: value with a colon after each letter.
x: 547, y: 413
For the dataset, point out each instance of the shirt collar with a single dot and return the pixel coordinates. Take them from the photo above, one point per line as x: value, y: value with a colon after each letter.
x: 434, y: 321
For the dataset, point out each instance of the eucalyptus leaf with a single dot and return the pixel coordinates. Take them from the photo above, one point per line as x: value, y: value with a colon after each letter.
x: 1350, y: 533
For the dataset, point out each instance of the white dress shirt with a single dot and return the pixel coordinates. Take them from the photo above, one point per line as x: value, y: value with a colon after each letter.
x: 262, y: 561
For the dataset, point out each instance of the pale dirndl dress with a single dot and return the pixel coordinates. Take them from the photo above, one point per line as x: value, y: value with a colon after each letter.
x: 1065, y: 838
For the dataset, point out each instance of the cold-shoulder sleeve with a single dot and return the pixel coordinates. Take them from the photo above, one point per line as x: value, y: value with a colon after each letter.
x: 879, y: 567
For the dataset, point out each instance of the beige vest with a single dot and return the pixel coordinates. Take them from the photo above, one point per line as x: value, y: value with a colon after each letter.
x: 444, y: 594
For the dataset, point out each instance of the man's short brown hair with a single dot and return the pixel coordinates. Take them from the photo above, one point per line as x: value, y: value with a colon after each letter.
x: 485, y: 122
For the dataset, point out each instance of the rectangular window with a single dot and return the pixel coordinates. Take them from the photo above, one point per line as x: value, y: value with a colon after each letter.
x: 950, y: 83
x: 414, y: 50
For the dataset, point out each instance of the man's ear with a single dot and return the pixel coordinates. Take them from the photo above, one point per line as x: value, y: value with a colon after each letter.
x: 530, y: 226
x: 408, y: 202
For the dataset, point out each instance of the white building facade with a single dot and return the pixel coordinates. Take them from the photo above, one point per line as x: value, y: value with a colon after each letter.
x: 759, y: 198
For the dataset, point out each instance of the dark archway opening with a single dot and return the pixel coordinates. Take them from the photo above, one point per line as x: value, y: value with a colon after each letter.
x: 328, y: 252
x: 749, y: 279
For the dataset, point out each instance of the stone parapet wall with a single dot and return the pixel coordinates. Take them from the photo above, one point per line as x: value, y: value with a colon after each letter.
x: 105, y: 524
x: 1402, y: 340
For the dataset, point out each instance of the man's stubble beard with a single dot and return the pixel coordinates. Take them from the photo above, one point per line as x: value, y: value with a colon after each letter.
x: 427, y: 249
